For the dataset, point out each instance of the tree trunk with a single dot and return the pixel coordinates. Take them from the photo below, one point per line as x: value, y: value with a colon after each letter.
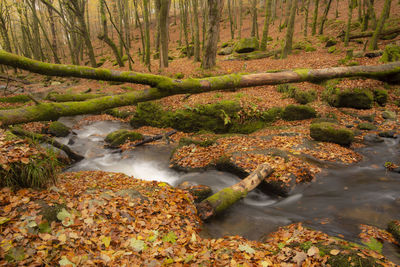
x: 373, y: 45
x: 350, y: 15
x: 324, y: 16
x: 163, y: 86
x: 264, y: 39
x: 196, y: 45
x: 164, y: 26
x: 254, y: 25
x: 211, y: 43
x: 307, y: 8
x: 228, y: 196
x: 147, y: 33
x: 240, y: 18
x: 104, y: 36
x: 289, y: 32
x: 315, y: 18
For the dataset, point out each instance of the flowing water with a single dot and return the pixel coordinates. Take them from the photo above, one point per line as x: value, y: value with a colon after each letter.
x: 339, y: 200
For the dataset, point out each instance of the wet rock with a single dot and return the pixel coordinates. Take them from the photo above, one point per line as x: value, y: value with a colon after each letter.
x: 119, y: 137
x: 394, y: 229
x: 58, y: 129
x: 373, y: 138
x: 389, y: 115
x: 396, y: 170
x: 199, y: 192
x: 388, y: 134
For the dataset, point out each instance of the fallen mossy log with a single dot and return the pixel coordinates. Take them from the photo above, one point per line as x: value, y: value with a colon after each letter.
x: 71, y: 97
x: 171, y: 86
x: 45, y: 139
x: 154, y: 138
x: 230, y: 195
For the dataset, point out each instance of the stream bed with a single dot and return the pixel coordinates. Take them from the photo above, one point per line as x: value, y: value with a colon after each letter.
x: 339, y: 200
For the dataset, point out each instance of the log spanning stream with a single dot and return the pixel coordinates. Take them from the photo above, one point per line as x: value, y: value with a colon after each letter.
x: 336, y: 203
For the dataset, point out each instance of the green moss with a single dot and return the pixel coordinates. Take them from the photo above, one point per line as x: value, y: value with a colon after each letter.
x: 394, y: 229
x: 122, y: 114
x: 329, y: 132
x: 381, y: 96
x: 71, y: 97
x: 298, y: 112
x: 246, y: 45
x: 350, y: 98
x: 391, y: 53
x: 301, y: 96
x: 15, y: 99
x: 331, y: 49
x: 302, y: 72
x: 272, y: 114
x: 225, y: 198
x: 367, y: 126
x: 58, y: 129
x: 119, y: 137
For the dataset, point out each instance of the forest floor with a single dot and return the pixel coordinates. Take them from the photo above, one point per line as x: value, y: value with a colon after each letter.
x: 99, y: 218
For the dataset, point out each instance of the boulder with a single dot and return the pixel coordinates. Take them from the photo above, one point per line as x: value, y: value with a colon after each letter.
x: 367, y: 126
x: 389, y: 115
x: 330, y: 132
x: 225, y: 51
x: 388, y: 134
x: 119, y: 137
x: 246, y: 45
x: 356, y: 98
x: 381, y: 96
x: 58, y: 129
x: 373, y: 138
x: 298, y: 112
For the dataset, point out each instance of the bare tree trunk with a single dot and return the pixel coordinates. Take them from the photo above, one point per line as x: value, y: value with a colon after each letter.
x: 290, y: 30
x: 350, y: 15
x: 307, y: 8
x: 164, y: 25
x: 147, y: 33
x: 53, y: 34
x: 264, y: 39
x: 254, y: 25
x: 210, y: 47
x: 240, y: 18
x: 315, y: 18
x: 373, y: 45
x: 324, y: 16
x: 196, y: 31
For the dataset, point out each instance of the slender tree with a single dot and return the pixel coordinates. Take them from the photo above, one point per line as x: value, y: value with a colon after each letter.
x: 373, y: 45
x: 147, y: 33
x: 349, y: 17
x: 287, y: 49
x: 324, y: 17
x: 315, y: 18
x: 163, y: 24
x: 264, y: 39
x: 196, y: 40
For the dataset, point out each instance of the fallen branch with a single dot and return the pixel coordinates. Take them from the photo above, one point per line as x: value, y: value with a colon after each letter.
x: 45, y: 139
x: 6, y: 77
x: 154, y: 138
x: 230, y: 195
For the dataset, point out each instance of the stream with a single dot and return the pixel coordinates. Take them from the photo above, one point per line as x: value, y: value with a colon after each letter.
x: 339, y: 200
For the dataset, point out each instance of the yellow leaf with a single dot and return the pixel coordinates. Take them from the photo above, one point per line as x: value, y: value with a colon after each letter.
x: 334, y: 252
x: 62, y: 238
x: 106, y: 241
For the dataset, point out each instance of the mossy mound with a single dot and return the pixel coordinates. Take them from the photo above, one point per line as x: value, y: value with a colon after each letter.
x: 220, y: 117
x: 389, y: 115
x: 350, y: 98
x: 298, y: 112
x: 27, y: 165
x: 394, y: 229
x: 272, y: 114
x: 329, y: 132
x: 367, y: 126
x: 119, y: 137
x: 225, y: 51
x: 391, y: 53
x: 246, y: 45
x: 188, y: 141
x: 15, y: 99
x: 58, y: 129
x: 301, y: 96
x: 381, y: 96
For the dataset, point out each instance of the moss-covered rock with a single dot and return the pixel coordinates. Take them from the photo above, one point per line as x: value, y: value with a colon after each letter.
x: 394, y: 229
x: 15, y: 99
x: 391, y: 53
x: 298, y: 112
x: 381, y: 96
x: 301, y: 96
x: 225, y: 51
x: 272, y: 114
x: 389, y: 115
x: 349, y: 98
x: 246, y: 45
x: 58, y: 129
x: 329, y: 132
x: 119, y: 137
x: 367, y: 126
